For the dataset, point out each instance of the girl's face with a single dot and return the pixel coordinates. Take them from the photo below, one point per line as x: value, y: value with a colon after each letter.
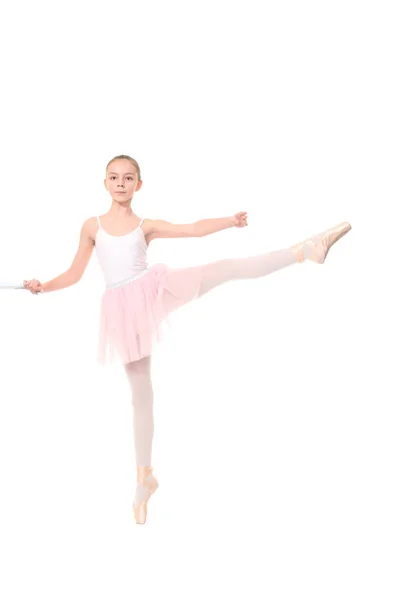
x: 122, y: 181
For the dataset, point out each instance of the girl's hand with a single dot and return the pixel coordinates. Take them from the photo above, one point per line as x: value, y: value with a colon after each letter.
x: 240, y: 219
x: 34, y: 286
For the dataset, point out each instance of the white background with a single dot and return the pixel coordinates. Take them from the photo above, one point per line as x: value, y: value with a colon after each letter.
x: 276, y: 400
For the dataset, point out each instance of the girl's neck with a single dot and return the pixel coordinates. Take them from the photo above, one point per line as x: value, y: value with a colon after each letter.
x: 118, y: 213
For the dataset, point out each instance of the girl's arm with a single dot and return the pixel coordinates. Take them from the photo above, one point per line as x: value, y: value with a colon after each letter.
x: 79, y: 264
x: 164, y: 229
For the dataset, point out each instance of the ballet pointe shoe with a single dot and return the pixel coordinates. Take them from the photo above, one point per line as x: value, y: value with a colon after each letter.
x: 320, y: 244
x: 149, y: 483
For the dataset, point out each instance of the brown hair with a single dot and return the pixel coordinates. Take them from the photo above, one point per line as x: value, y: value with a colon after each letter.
x: 126, y: 157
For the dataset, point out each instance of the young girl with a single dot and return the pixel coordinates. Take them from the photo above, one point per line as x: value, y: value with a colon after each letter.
x: 138, y: 298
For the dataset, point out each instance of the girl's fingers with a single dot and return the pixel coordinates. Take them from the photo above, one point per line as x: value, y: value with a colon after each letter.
x: 33, y: 285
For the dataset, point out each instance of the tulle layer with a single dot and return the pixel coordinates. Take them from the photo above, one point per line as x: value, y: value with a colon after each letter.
x: 134, y: 315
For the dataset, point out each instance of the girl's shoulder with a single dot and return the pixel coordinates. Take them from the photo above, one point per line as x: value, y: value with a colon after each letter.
x: 91, y: 226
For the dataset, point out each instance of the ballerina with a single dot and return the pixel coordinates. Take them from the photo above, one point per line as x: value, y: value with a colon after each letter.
x: 139, y: 298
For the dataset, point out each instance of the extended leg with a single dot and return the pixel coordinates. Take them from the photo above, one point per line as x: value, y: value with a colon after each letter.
x: 249, y: 267
x: 314, y: 248
x: 189, y: 282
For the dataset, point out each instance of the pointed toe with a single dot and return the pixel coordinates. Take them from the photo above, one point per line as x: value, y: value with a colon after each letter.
x: 320, y: 244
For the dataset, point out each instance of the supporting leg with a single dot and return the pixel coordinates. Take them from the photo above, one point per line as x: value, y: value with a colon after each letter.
x: 139, y: 377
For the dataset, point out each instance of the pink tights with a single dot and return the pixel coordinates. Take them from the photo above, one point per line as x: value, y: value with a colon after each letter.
x: 139, y: 372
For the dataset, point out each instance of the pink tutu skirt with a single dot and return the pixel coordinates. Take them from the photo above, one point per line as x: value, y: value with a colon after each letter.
x: 133, y: 314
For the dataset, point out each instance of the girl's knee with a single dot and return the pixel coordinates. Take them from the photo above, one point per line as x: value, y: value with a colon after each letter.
x: 139, y: 367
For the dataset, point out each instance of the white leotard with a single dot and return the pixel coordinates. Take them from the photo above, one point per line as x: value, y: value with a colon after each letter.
x: 121, y: 258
